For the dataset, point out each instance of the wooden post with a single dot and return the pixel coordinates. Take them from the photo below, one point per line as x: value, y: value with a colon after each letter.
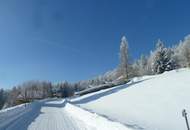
x: 184, y: 114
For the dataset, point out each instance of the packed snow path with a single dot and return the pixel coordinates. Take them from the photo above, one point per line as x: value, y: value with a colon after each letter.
x: 54, y: 118
x: 46, y: 115
x: 54, y: 114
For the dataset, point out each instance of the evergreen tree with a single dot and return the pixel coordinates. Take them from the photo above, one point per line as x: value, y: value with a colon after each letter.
x: 1, y: 98
x: 162, y: 59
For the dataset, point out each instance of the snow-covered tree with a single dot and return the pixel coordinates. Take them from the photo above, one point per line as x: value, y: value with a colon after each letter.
x: 66, y: 89
x: 123, y: 67
x: 162, y: 59
x: 140, y: 67
x: 182, y: 52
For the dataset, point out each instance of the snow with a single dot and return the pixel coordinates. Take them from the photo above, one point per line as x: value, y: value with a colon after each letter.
x: 8, y: 115
x: 54, y: 114
x: 95, y: 121
x: 54, y: 117
x: 149, y: 102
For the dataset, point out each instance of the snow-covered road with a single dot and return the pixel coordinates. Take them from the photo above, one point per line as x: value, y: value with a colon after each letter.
x: 44, y: 115
x: 54, y: 114
x: 54, y: 118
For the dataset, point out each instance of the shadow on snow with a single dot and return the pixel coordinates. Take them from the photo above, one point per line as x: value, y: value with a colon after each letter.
x: 104, y: 93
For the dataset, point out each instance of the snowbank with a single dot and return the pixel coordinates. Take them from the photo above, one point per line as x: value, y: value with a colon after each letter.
x: 93, y: 120
x: 10, y: 114
x: 149, y: 102
x: 17, y: 113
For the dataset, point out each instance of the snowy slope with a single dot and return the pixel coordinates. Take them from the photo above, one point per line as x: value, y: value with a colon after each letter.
x: 149, y: 102
x: 54, y: 114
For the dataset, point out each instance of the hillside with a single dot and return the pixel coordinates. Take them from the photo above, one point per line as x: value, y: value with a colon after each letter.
x: 149, y: 102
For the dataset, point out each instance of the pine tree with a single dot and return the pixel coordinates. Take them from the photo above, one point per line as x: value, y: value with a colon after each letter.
x: 162, y: 59
x: 1, y: 98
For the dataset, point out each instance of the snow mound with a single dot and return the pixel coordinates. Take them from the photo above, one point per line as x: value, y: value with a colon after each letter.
x: 148, y: 102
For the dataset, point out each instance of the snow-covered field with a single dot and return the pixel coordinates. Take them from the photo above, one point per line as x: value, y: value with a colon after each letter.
x: 149, y: 102
x: 54, y: 114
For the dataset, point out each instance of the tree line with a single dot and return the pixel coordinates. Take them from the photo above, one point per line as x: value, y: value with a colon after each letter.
x: 159, y: 60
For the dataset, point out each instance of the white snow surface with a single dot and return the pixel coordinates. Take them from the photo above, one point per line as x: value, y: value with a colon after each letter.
x: 54, y: 114
x: 93, y: 120
x: 148, y: 102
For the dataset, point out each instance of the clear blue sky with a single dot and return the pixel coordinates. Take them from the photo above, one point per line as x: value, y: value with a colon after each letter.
x: 74, y: 40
